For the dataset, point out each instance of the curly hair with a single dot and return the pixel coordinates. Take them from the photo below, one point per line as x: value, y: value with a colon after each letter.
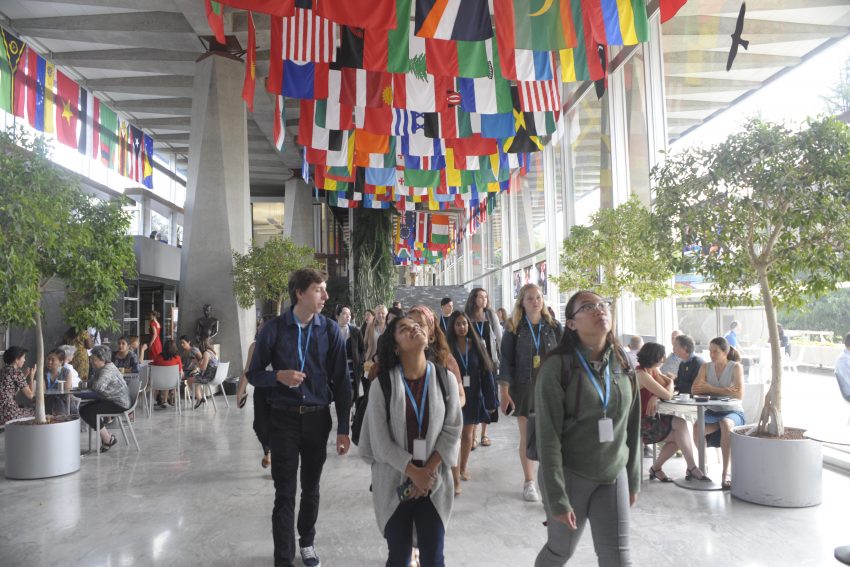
x: 438, y: 349
x: 650, y: 354
x: 386, y: 353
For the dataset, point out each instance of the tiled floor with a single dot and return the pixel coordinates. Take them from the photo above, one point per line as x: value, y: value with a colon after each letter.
x: 196, y: 495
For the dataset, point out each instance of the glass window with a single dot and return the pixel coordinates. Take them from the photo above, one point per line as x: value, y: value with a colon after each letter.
x: 589, y: 135
x: 529, y: 208
x: 161, y: 225
x: 636, y: 125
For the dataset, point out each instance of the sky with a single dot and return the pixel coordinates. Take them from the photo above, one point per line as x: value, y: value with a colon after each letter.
x: 790, y: 98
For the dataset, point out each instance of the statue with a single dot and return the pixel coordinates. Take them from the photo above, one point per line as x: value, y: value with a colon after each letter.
x: 207, y: 326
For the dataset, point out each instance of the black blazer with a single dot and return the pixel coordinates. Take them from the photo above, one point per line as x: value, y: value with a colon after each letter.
x: 355, y: 347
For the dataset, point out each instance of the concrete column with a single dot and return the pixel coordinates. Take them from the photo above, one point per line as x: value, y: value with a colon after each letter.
x: 217, y: 219
x: 146, y: 216
x: 298, y: 213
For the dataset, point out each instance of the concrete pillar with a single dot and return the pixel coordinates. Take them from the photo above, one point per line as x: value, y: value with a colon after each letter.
x: 217, y: 219
x: 298, y: 213
x: 146, y: 216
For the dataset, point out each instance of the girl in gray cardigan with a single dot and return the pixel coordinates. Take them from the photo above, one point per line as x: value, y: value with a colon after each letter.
x: 412, y: 452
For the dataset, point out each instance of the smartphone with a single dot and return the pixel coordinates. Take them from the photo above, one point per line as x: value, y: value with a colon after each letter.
x: 510, y: 410
x: 405, y: 490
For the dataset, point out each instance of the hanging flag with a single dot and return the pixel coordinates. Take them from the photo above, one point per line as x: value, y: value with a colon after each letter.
x: 67, y: 101
x: 278, y: 128
x: 6, y: 80
x: 459, y: 20
x: 581, y: 63
x: 669, y: 8
x: 422, y: 93
x: 123, y: 149
x: 95, y: 145
x: 108, y: 136
x: 387, y: 50
x: 422, y: 231
x: 540, y: 95
x: 457, y: 58
x: 531, y: 24
x: 274, y: 80
x: 147, y: 162
x: 379, y: 14
x: 439, y: 231
x: 486, y: 95
x: 306, y: 36
x: 304, y: 80
x: 43, y: 93
x: 136, y: 163
x: 279, y: 8
x: 13, y: 93
x: 617, y: 22
x: 215, y: 18
x: 250, y: 82
x: 85, y: 141
x: 528, y: 65
x: 358, y: 87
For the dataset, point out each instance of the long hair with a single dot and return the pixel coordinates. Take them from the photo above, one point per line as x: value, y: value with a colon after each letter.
x: 169, y: 350
x: 469, y: 308
x: 369, y: 334
x: 570, y: 340
x: 519, y: 311
x: 438, y: 349
x: 452, y: 339
x: 387, y: 355
x: 731, y: 352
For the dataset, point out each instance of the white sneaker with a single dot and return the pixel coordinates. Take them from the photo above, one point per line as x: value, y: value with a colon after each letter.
x: 529, y: 492
x: 309, y: 557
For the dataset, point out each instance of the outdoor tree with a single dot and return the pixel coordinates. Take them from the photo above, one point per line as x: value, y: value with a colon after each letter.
x: 374, y: 275
x: 614, y: 256
x: 50, y: 229
x: 263, y: 272
x: 838, y: 101
x: 764, y: 217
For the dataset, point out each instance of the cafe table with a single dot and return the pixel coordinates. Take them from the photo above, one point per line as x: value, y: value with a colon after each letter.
x: 679, y: 405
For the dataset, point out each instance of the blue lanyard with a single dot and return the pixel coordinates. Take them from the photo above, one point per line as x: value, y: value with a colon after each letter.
x: 419, y: 412
x: 302, y: 354
x: 593, y: 380
x: 464, y: 357
x: 444, y: 324
x: 535, y: 338
x: 480, y: 327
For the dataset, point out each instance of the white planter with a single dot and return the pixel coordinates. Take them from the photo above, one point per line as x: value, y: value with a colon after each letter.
x: 774, y: 472
x: 42, y: 451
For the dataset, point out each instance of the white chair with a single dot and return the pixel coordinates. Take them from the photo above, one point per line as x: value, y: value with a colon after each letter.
x: 163, y: 378
x: 134, y: 384
x: 220, y: 376
x: 792, y: 364
x: 144, y: 381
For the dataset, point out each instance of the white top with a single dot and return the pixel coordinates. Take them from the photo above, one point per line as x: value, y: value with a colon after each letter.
x: 723, y: 381
x: 842, y: 373
x: 73, y: 376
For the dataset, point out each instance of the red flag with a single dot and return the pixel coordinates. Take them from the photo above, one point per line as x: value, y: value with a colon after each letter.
x: 67, y: 101
x: 215, y: 18
x: 669, y: 8
x: 249, y: 85
x: 275, y: 78
x: 279, y: 8
x: 32, y: 90
x: 380, y: 14
x: 309, y: 37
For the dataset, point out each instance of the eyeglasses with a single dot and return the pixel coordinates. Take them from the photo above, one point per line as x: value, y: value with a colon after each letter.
x: 588, y: 307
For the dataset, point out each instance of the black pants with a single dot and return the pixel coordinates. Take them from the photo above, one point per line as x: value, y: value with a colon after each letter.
x: 296, y: 435
x: 430, y: 534
x: 90, y: 410
x: 262, y: 417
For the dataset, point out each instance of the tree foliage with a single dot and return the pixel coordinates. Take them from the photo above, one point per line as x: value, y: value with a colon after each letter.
x: 614, y: 256
x: 50, y: 229
x: 765, y: 210
x: 263, y: 272
x: 838, y: 101
x: 374, y: 275
x: 829, y: 313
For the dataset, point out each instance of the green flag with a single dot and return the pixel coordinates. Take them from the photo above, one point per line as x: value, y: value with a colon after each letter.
x: 108, y: 135
x: 6, y: 80
x: 538, y: 25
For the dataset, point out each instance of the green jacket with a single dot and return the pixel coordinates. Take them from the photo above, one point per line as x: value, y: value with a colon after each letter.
x: 567, y: 439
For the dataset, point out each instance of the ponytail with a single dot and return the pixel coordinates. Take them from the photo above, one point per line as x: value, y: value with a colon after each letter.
x: 733, y: 355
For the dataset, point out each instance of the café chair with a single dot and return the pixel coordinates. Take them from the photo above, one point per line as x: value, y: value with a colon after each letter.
x: 134, y: 384
x: 220, y: 376
x: 163, y: 378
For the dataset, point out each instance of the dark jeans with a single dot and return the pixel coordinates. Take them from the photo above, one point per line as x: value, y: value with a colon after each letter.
x: 296, y: 435
x: 262, y: 417
x: 90, y: 410
x: 430, y: 534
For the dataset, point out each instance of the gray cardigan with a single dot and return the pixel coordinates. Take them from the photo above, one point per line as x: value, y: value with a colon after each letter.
x: 389, y: 458
x: 109, y: 384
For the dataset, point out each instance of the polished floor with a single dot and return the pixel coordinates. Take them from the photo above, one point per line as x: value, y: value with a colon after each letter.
x: 196, y: 495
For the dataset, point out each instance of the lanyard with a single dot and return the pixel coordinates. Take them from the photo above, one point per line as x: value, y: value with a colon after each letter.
x: 302, y: 354
x: 535, y: 338
x: 595, y: 382
x: 464, y: 357
x: 480, y: 327
x: 419, y: 412
x: 443, y: 323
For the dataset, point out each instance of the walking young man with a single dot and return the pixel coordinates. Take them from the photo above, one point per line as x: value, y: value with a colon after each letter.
x: 309, y: 371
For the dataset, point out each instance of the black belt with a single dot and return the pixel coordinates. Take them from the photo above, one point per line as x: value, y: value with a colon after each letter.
x: 300, y: 409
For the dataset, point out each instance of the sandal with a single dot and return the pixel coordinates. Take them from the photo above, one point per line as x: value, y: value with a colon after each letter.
x: 727, y: 482
x: 485, y: 441
x: 267, y: 460
x: 659, y: 475
x: 465, y: 475
x: 474, y: 443
x: 691, y: 474
x: 106, y: 446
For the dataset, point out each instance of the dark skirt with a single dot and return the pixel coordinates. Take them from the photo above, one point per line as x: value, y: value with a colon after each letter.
x: 655, y: 428
x: 522, y: 395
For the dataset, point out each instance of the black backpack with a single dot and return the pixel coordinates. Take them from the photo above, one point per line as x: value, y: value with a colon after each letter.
x: 387, y: 388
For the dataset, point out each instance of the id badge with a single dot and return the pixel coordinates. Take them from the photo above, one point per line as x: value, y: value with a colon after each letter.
x: 536, y: 361
x: 419, y: 449
x: 467, y: 382
x: 606, y: 430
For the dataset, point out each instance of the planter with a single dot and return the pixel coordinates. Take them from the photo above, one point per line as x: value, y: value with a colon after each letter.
x: 42, y: 451
x: 776, y: 472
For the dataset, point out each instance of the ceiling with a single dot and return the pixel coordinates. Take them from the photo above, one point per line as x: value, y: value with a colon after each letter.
x: 139, y: 56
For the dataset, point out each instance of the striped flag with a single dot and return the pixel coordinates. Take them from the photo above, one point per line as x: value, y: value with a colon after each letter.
x: 617, y: 22
x: 466, y: 20
x: 279, y: 130
x: 535, y: 96
x: 422, y: 231
x: 306, y: 36
x: 88, y: 122
x: 439, y: 231
x: 250, y: 82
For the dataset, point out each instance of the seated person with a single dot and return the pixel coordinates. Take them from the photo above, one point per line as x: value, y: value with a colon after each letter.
x: 168, y: 357
x: 655, y: 428
x: 683, y: 348
x: 190, y: 356
x: 54, y: 372
x: 111, y: 391
x: 73, y: 377
x: 16, y: 385
x: 207, y: 367
x: 635, y: 344
x: 723, y: 376
x: 125, y: 359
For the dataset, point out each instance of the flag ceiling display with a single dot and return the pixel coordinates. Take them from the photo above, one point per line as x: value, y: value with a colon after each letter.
x: 34, y: 90
x: 430, y: 105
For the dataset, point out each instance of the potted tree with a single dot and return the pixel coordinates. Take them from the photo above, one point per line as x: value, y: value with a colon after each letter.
x: 263, y: 272
x: 764, y: 217
x: 51, y: 231
x: 614, y: 256
x: 374, y: 272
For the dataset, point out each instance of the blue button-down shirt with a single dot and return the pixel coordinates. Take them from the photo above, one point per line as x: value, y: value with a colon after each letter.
x: 326, y: 367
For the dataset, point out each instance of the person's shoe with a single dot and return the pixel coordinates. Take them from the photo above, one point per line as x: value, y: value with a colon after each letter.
x: 309, y: 557
x: 529, y: 492
x: 106, y: 446
x: 200, y: 402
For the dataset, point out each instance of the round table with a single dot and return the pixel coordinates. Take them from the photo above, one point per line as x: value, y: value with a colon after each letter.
x: 675, y: 406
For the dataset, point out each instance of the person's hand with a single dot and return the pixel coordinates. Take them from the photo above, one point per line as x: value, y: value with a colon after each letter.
x: 652, y: 406
x: 422, y: 478
x: 569, y: 518
x: 291, y: 378
x: 33, y: 371
x: 506, y: 400
x: 632, y: 498
x: 343, y: 444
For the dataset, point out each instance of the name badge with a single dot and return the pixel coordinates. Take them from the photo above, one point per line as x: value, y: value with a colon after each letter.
x: 606, y: 430
x: 467, y: 382
x: 536, y: 361
x: 419, y: 449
